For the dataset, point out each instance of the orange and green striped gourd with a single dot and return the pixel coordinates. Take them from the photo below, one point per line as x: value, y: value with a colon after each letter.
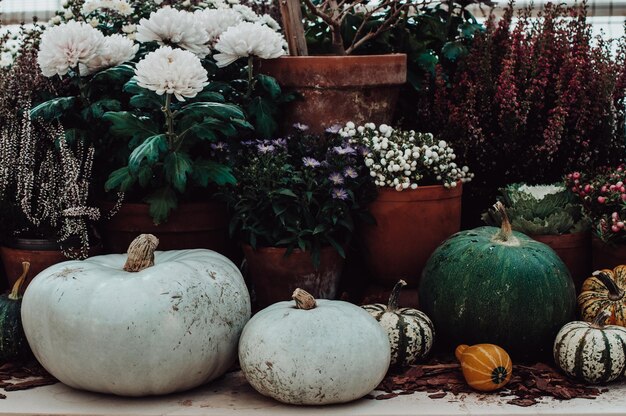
x: 604, y: 291
x: 486, y: 367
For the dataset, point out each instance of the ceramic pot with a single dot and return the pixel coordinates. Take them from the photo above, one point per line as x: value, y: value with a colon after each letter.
x: 575, y: 251
x: 273, y: 276
x: 607, y: 256
x: 190, y: 225
x: 338, y: 89
x: 409, y: 226
x: 40, y: 253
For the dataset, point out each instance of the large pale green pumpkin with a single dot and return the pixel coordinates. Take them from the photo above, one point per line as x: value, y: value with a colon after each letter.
x: 490, y: 285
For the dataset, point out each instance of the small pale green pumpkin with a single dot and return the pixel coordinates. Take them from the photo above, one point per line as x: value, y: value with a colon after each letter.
x: 410, y: 331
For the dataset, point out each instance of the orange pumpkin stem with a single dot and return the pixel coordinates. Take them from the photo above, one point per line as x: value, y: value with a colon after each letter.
x: 304, y: 300
x: 505, y: 229
x: 395, y: 294
x: 141, y: 253
x: 16, y: 290
x: 614, y: 291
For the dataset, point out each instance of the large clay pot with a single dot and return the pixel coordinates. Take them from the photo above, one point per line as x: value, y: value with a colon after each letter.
x: 40, y: 253
x: 574, y: 250
x: 273, y: 276
x: 338, y: 89
x: 607, y: 256
x: 410, y: 225
x: 190, y: 225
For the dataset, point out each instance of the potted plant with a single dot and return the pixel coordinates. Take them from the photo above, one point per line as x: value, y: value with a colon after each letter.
x: 532, y: 100
x: 147, y: 92
x: 337, y: 83
x: 552, y: 215
x: 603, y: 196
x: 45, y: 199
x: 294, y: 209
x: 419, y: 199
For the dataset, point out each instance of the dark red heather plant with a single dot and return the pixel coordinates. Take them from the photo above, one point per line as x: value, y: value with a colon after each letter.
x: 534, y: 99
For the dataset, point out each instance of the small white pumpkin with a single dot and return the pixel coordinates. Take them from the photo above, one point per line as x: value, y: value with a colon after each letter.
x: 411, y: 332
x: 313, y: 352
x: 168, y: 327
x: 591, y: 352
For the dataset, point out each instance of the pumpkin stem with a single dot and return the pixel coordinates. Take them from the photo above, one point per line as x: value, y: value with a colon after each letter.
x: 505, y: 235
x: 141, y: 253
x: 395, y: 294
x: 304, y: 300
x: 17, y: 286
x: 614, y: 291
x: 599, y: 320
x: 458, y: 352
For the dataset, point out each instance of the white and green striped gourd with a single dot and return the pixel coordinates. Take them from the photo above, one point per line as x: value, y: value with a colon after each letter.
x: 411, y: 332
x: 591, y: 352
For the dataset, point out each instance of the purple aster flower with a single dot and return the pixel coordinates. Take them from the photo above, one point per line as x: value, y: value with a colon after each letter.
x: 219, y: 146
x: 364, y: 151
x: 249, y: 143
x: 300, y: 126
x: 280, y: 142
x: 350, y: 172
x: 309, y: 162
x: 339, y: 193
x: 334, y: 129
x: 344, y: 150
x: 265, y: 148
x: 336, y: 178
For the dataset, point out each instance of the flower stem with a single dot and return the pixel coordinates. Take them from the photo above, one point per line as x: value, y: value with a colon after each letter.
x: 169, y: 120
x: 250, y: 76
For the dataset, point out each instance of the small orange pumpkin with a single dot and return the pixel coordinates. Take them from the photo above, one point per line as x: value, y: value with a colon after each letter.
x: 486, y: 367
x: 605, y: 291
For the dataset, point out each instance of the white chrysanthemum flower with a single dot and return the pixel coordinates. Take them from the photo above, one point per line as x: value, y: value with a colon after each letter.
x: 246, y: 13
x: 169, y: 26
x: 115, y: 50
x: 67, y: 45
x: 248, y: 39
x: 269, y: 21
x: 172, y: 71
x: 217, y: 21
x: 120, y: 6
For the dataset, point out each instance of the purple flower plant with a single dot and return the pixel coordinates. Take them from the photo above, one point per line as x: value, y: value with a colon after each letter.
x: 219, y: 146
x: 348, y: 150
x: 334, y: 129
x: 350, y: 172
x: 310, y: 162
x: 336, y: 178
x: 265, y: 148
x: 339, y: 193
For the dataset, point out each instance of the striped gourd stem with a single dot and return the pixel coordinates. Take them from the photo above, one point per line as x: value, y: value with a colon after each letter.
x: 395, y: 294
x: 614, y: 291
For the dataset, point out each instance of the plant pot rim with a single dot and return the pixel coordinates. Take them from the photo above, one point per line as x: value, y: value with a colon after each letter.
x: 422, y: 193
x: 354, y: 58
x: 35, y: 244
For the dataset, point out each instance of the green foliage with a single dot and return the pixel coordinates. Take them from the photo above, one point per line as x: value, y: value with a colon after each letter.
x: 553, y: 214
x: 298, y: 193
x: 53, y: 109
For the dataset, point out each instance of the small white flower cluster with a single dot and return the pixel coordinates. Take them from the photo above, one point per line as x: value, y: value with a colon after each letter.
x: 120, y: 6
x: 400, y: 159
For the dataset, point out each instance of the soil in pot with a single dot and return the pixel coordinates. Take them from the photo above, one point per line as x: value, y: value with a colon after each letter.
x: 410, y: 226
x: 607, y: 256
x: 273, y: 276
x: 191, y: 225
x: 575, y: 251
x: 337, y: 89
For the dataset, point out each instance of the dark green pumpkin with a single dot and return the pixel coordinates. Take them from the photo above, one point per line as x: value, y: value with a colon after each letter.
x: 490, y: 285
x: 13, y: 343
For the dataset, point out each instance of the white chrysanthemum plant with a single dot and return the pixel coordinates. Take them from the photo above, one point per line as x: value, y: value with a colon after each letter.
x: 405, y: 159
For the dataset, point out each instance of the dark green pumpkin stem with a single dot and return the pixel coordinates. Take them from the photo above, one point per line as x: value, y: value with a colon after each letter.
x: 16, y: 290
x: 601, y: 317
x: 395, y: 294
x: 505, y: 229
x: 614, y: 291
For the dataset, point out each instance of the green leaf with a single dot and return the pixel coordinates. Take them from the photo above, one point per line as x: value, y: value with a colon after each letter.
x: 144, y: 175
x: 149, y: 150
x: 162, y: 202
x: 127, y: 124
x: 287, y: 192
x: 337, y: 246
x: 117, y: 73
x: 120, y: 179
x: 146, y: 101
x: 262, y: 112
x: 177, y: 166
x: 270, y: 85
x: 454, y: 50
x: 205, y: 171
x: 53, y: 109
x: 207, y: 95
x: 131, y: 87
x: 97, y: 109
x: 211, y: 110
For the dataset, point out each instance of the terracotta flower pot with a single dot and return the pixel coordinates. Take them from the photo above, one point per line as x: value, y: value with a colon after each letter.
x: 574, y: 250
x: 40, y: 253
x: 410, y: 226
x: 274, y: 277
x: 338, y: 89
x: 191, y: 225
x: 607, y: 256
